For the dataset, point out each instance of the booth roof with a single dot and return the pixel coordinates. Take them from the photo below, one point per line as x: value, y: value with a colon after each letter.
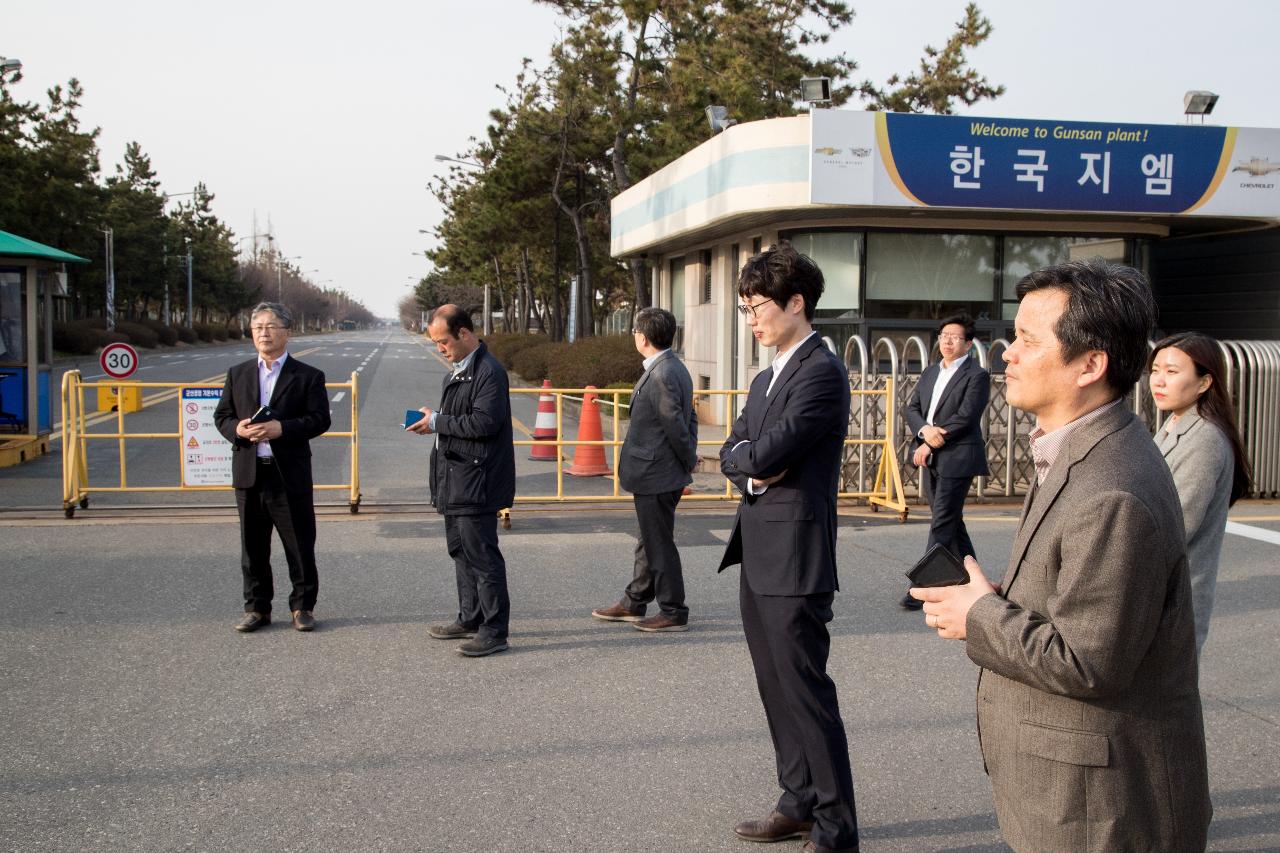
x: 13, y: 246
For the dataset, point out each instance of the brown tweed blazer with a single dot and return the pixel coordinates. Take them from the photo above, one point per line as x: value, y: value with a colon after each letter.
x: 1088, y: 707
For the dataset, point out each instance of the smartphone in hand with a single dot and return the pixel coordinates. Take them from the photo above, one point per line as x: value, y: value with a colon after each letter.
x: 264, y: 414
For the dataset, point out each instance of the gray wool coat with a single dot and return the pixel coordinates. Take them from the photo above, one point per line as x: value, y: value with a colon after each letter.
x: 1200, y: 457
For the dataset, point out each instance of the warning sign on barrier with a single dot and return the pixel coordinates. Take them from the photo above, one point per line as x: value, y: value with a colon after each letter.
x: 206, y: 455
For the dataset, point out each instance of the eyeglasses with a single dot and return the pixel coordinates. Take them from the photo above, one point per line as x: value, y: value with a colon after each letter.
x: 269, y: 327
x: 752, y: 310
x: 955, y: 339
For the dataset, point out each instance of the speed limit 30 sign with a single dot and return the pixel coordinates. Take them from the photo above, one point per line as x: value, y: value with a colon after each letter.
x: 118, y: 360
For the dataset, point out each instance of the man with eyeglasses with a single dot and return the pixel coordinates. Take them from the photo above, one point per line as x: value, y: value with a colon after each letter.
x: 784, y: 456
x: 271, y: 408
x: 945, y: 414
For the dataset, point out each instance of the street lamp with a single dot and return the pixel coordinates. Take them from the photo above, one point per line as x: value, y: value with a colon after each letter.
x: 280, y: 275
x: 440, y: 158
x: 196, y: 194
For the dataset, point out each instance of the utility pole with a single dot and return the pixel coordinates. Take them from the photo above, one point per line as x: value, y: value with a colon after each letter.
x: 109, y: 251
x: 190, y: 308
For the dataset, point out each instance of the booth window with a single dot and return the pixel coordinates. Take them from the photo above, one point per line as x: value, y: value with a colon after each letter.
x: 839, y: 255
x: 924, y: 276
x: 1023, y: 255
x: 12, y: 345
x: 677, y: 300
x: 705, y: 270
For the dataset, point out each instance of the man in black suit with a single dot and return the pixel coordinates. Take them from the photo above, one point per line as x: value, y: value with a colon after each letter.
x: 473, y: 477
x: 658, y: 454
x: 784, y: 455
x: 945, y: 414
x: 271, y: 464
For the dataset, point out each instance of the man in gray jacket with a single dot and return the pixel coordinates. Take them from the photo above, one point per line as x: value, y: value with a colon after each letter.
x: 658, y: 454
x: 1089, y: 713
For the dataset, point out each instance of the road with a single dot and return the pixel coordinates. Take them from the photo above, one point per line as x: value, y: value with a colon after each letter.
x: 134, y: 718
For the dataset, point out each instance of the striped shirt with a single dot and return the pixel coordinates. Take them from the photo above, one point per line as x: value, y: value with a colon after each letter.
x: 1045, y: 446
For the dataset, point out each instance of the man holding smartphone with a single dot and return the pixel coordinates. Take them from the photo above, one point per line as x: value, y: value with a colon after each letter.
x: 271, y: 408
x: 473, y: 477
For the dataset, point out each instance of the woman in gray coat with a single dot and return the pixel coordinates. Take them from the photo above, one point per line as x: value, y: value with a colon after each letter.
x: 1202, y: 446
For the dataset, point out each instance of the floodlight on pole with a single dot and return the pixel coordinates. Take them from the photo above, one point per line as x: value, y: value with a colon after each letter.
x: 815, y: 90
x: 280, y: 275
x: 8, y: 64
x: 1198, y: 102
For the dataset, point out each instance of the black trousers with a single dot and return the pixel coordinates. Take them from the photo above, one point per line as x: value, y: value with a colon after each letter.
x: 268, y: 506
x: 483, y: 604
x: 945, y: 496
x: 789, y: 644
x: 657, y: 572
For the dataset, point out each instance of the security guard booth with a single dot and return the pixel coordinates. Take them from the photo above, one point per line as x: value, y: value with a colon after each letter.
x: 29, y: 274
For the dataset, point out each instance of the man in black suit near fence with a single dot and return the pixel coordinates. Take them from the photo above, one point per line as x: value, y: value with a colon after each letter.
x: 658, y: 454
x: 945, y: 415
x: 784, y: 455
x: 271, y: 465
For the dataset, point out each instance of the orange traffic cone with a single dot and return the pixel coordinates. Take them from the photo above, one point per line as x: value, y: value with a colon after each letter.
x: 588, y: 459
x: 544, y: 428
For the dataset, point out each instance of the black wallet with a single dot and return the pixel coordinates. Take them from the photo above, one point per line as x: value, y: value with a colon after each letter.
x: 938, y: 567
x: 264, y: 414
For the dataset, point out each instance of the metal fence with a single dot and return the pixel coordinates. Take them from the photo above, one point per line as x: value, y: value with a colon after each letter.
x: 1253, y: 379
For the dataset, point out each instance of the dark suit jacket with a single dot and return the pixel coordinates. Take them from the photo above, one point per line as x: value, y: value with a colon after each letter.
x: 302, y: 405
x: 1088, y: 708
x: 960, y: 413
x: 473, y: 465
x: 661, y: 446
x: 785, y: 539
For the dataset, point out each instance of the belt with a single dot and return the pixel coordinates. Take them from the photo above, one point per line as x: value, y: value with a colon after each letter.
x: 266, y: 460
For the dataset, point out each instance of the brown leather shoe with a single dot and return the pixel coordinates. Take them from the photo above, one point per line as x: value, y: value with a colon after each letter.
x: 775, y: 827
x: 811, y: 847
x: 252, y: 621
x: 661, y: 622
x: 617, y: 613
x: 303, y: 620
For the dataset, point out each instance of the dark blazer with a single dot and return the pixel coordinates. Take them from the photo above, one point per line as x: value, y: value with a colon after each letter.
x: 800, y: 428
x: 661, y: 446
x: 302, y: 405
x: 1088, y: 709
x: 473, y: 465
x: 960, y: 413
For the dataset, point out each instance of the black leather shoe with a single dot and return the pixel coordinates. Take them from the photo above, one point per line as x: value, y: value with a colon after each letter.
x: 303, y: 620
x: 478, y: 648
x: 252, y: 621
x: 775, y: 827
x: 454, y: 631
x: 909, y: 603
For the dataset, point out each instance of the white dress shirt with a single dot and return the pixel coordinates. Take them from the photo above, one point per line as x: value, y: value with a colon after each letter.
x: 267, y: 377
x: 945, y: 375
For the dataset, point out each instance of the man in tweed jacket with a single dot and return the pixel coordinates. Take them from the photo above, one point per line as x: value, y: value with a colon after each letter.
x: 1089, y: 713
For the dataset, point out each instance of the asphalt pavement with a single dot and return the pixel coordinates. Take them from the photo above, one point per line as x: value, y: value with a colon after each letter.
x: 135, y: 718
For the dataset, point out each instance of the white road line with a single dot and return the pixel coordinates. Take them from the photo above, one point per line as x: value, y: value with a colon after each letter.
x: 1262, y: 534
x: 338, y: 396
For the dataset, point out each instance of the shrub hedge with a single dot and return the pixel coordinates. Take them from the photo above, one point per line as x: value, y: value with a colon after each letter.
x: 533, y: 362
x: 598, y: 361
x: 235, y: 333
x: 139, y: 335
x: 187, y: 336
x: 168, y: 335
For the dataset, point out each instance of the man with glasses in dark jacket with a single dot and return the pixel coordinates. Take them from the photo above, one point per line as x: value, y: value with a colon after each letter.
x: 473, y: 477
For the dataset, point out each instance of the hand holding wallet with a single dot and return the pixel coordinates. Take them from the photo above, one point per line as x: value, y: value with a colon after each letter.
x: 411, y: 417
x: 938, y: 567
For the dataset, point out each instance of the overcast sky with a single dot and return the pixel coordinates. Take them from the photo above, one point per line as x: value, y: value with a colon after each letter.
x: 324, y: 117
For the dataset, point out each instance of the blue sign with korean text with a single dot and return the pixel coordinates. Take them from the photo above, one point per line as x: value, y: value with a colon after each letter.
x: 1052, y: 165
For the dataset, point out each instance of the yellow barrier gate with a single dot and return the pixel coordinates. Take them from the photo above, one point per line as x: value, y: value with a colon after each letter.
x: 887, y: 491
x: 76, y: 437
